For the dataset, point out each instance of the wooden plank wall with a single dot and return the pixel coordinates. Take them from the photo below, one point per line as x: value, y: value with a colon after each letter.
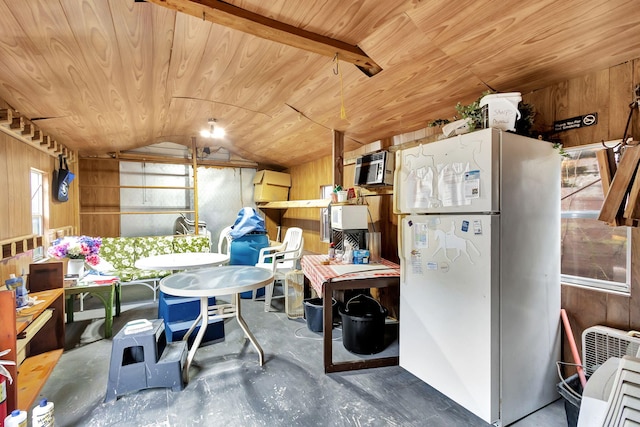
x: 306, y: 181
x: 99, y: 192
x: 16, y: 160
x: 609, y: 93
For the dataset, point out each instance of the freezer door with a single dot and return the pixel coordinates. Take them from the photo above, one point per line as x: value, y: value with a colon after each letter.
x: 449, y: 333
x: 455, y: 175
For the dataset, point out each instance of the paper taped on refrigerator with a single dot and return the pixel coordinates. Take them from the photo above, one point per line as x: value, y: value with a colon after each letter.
x: 456, y: 177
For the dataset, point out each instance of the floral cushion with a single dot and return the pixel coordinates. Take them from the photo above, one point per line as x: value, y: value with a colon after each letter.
x: 132, y: 274
x: 122, y: 253
x: 119, y: 251
x: 200, y: 243
x: 153, y: 245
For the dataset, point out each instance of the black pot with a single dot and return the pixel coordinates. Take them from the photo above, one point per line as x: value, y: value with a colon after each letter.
x: 363, y: 323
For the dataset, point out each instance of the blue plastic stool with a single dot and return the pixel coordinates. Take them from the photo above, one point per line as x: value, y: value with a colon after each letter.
x: 179, y: 313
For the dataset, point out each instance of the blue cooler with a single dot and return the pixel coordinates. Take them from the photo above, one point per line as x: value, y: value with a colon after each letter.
x: 245, y: 251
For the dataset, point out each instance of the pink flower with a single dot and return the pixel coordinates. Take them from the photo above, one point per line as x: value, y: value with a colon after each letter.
x: 83, y: 247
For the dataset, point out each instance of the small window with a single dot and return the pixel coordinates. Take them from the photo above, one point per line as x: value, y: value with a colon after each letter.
x: 325, y: 226
x: 594, y: 254
x: 37, y: 209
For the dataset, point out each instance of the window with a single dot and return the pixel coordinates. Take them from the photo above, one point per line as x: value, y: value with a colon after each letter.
x: 593, y: 253
x: 325, y: 225
x: 37, y: 209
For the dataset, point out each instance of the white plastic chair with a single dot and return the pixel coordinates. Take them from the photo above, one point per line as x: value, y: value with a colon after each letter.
x: 224, y: 241
x: 281, y: 259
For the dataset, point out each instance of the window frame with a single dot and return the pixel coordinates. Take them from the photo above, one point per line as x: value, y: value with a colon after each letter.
x: 586, y: 282
x: 325, y: 223
x: 38, y: 253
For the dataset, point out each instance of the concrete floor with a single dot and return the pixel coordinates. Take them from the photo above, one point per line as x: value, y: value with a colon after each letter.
x: 228, y: 387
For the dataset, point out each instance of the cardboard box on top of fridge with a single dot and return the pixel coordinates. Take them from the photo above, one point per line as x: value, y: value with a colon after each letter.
x: 271, y: 186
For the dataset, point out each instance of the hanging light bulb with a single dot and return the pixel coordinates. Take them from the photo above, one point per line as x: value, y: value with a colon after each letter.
x: 217, y: 133
x: 214, y: 131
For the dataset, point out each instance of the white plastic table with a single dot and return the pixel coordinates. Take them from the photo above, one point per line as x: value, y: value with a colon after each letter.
x: 212, y: 282
x: 182, y: 261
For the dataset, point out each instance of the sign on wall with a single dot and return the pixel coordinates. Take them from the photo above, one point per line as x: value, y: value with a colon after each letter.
x: 576, y: 122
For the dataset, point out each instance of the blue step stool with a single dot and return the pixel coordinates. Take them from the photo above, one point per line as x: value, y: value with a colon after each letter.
x: 143, y: 360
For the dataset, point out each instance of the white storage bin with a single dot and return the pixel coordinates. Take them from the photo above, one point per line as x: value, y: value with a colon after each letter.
x: 501, y: 110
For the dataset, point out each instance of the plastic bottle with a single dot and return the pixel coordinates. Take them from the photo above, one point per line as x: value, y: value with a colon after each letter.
x: 348, y: 254
x: 17, y: 418
x: 42, y: 415
x: 16, y: 284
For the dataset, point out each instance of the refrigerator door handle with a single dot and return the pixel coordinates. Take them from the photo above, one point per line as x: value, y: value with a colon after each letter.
x: 396, y: 186
x: 403, y: 261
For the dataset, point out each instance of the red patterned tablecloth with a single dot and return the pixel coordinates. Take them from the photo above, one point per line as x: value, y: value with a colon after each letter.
x: 319, y: 274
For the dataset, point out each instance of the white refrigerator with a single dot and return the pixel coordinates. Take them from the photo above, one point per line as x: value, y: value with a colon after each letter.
x: 479, y: 245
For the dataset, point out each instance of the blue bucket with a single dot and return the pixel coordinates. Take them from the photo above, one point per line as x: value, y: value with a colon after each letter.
x: 245, y: 250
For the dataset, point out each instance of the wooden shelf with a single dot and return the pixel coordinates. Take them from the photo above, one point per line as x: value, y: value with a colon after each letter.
x: 48, y: 297
x: 136, y: 212
x: 117, y: 208
x: 287, y: 204
x: 34, y: 336
x: 376, y: 191
x: 144, y: 187
x: 33, y: 373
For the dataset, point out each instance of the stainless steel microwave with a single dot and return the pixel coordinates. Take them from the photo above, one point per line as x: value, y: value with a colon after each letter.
x: 374, y: 169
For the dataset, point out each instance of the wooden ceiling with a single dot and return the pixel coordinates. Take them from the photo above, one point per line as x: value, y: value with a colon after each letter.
x: 103, y: 76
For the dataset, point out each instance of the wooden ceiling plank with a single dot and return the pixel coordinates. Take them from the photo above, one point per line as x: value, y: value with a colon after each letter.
x: 357, y: 20
x: 103, y: 76
x: 28, y: 81
x: 93, y: 30
x: 556, y: 30
x: 77, y: 91
x: 144, y: 39
x: 228, y: 15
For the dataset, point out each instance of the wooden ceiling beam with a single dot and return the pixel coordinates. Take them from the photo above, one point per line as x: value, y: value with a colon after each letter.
x: 228, y: 15
x: 28, y: 131
x: 137, y: 157
x: 6, y: 116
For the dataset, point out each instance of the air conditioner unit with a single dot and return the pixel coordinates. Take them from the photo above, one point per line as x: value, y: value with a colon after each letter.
x: 599, y: 343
